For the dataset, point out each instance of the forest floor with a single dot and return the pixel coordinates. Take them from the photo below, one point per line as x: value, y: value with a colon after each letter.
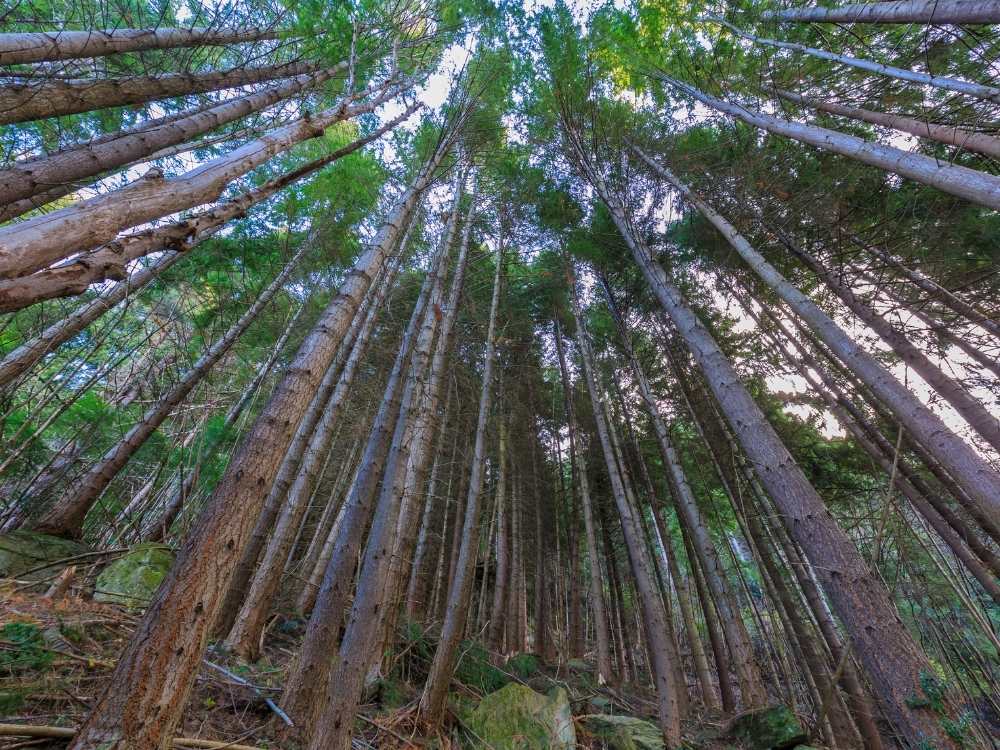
x: 56, y: 654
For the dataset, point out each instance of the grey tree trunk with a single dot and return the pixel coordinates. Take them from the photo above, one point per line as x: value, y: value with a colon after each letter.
x: 111, y: 260
x: 30, y: 177
x: 963, y: 463
x: 950, y: 135
x: 432, y: 700
x: 662, y: 649
x: 33, y: 244
x: 156, y: 670
x: 17, y: 48
x: 23, y: 102
x: 893, y: 660
x: 969, y: 184
x: 976, y: 90
x: 903, y: 11
x: 305, y: 687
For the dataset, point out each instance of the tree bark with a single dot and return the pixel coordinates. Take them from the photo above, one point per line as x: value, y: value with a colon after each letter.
x: 17, y: 48
x: 30, y: 177
x: 23, y: 102
x: 967, y: 466
x: 33, y: 244
x: 904, y: 11
x: 146, y: 695
x: 975, y: 90
x: 305, y: 694
x: 432, y: 700
x: 662, y: 650
x: 110, y: 260
x: 892, y: 658
x: 968, y: 184
x: 951, y: 135
x: 501, y: 581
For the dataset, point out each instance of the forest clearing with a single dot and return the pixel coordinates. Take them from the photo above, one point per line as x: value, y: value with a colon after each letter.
x: 504, y: 374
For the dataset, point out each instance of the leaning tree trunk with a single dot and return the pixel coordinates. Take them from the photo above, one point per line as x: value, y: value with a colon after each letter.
x: 741, y: 650
x: 112, y: 259
x: 663, y: 652
x: 895, y: 663
x: 432, y: 701
x: 963, y: 463
x: 17, y: 48
x: 67, y: 517
x: 33, y: 244
x: 23, y: 102
x: 332, y: 720
x: 305, y: 686
x: 24, y: 357
x: 246, y: 635
x: 903, y: 11
x: 950, y: 135
x: 976, y: 90
x: 68, y: 167
x: 969, y: 184
x: 501, y: 577
x: 146, y: 694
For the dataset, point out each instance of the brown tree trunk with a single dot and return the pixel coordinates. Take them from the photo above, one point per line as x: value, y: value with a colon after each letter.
x: 35, y: 243
x: 17, y: 48
x: 432, y: 701
x: 661, y: 646
x: 41, y: 174
x: 146, y: 695
x: 22, y: 102
x: 895, y: 663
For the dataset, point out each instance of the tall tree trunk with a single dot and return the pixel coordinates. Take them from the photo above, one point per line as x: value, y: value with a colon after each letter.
x: 22, y: 102
x: 661, y: 646
x: 35, y: 243
x: 146, y: 694
x: 24, y: 357
x: 17, y: 48
x: 895, y: 663
x: 965, y: 465
x: 110, y: 260
x: 305, y: 686
x: 976, y: 90
x: 951, y: 135
x: 935, y: 290
x: 741, y: 650
x: 968, y: 184
x: 576, y: 597
x: 501, y: 581
x: 332, y: 719
x: 67, y: 517
x: 432, y: 701
x: 41, y: 174
x: 257, y: 599
x: 893, y: 11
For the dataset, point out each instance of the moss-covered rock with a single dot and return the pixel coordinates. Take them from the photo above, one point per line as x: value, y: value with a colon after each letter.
x: 625, y: 732
x: 770, y: 728
x: 517, y: 718
x: 23, y: 551
x: 133, y: 579
x: 524, y: 665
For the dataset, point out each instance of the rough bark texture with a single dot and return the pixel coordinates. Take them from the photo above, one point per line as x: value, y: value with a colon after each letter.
x: 145, y: 697
x: 54, y: 98
x: 32, y: 176
x: 894, y: 662
x: 43, y: 46
x: 904, y: 11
